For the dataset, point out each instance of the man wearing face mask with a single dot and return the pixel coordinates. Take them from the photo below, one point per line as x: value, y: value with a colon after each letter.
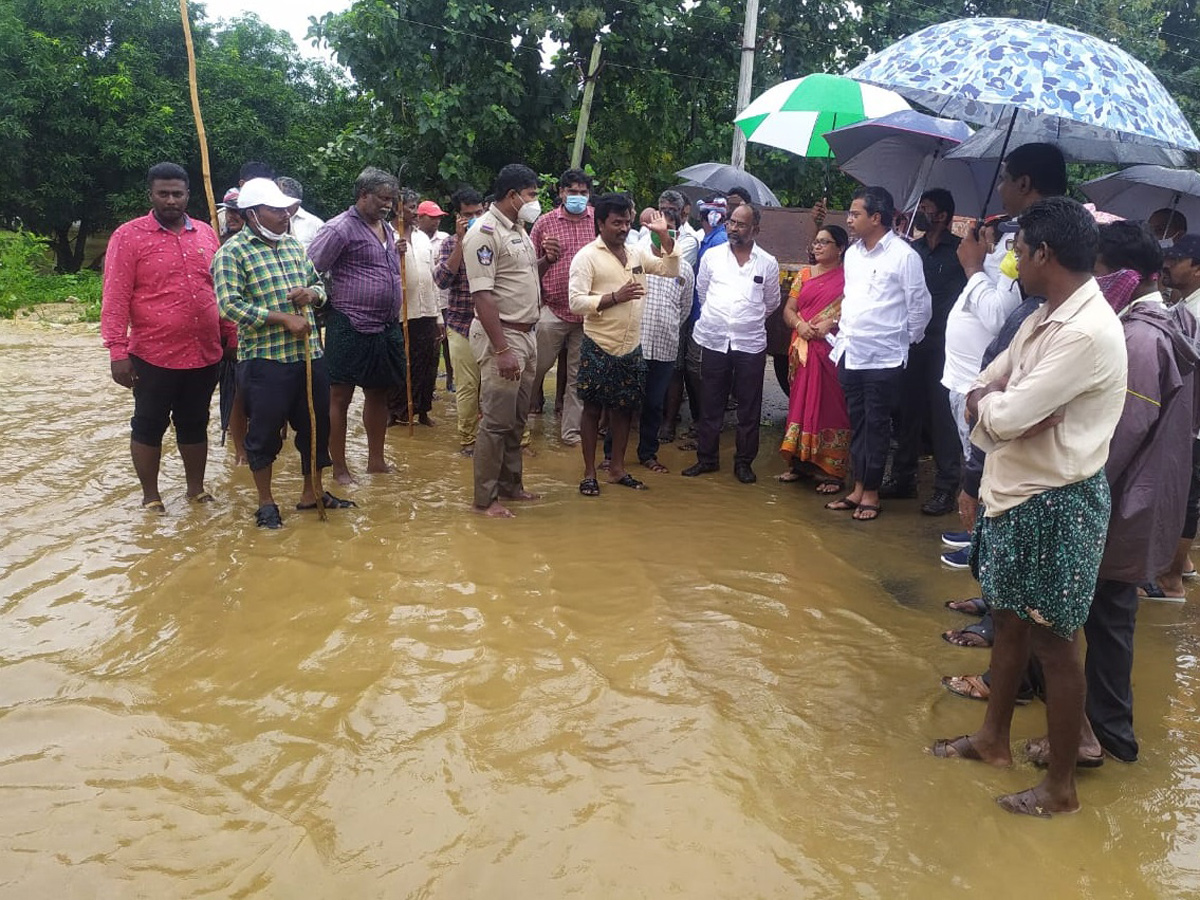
x: 559, y: 235
x: 266, y: 284
x: 923, y: 397
x: 502, y: 270
x: 1166, y: 225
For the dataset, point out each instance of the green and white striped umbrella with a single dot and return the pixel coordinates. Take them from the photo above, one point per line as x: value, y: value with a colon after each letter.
x: 794, y: 115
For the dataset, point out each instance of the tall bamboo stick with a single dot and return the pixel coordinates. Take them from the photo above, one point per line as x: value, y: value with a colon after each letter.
x: 205, y: 171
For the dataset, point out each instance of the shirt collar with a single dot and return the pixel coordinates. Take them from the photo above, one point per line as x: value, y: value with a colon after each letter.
x: 1073, y: 304
x: 155, y: 225
x: 882, y: 244
x: 502, y: 218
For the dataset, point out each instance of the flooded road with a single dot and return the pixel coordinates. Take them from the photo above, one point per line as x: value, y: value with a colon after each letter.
x: 708, y: 690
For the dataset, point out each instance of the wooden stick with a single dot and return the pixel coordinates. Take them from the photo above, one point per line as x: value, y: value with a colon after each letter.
x: 412, y: 413
x: 313, y: 467
x: 205, y: 171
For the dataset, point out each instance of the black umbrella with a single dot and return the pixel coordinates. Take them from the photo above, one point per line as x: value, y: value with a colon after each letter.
x: 227, y: 383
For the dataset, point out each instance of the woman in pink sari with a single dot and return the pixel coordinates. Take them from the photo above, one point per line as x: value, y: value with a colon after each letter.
x: 817, y: 440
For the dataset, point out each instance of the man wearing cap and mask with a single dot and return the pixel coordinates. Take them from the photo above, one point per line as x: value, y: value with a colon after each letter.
x: 159, y: 322
x: 429, y: 217
x: 502, y: 271
x: 364, y: 343
x: 231, y: 220
x: 266, y: 284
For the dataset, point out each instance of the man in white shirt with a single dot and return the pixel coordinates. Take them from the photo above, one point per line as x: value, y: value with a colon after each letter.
x: 429, y: 217
x: 738, y: 287
x: 885, y: 310
x: 1029, y: 173
x: 304, y: 225
x: 425, y: 328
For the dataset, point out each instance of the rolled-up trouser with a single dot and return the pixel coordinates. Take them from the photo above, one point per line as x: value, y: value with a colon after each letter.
x: 466, y: 386
x: 504, y: 407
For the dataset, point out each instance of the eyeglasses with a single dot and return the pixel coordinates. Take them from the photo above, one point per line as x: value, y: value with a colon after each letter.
x: 820, y: 242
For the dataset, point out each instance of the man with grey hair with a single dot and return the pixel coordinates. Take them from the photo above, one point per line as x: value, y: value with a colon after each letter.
x: 304, y: 224
x: 364, y: 344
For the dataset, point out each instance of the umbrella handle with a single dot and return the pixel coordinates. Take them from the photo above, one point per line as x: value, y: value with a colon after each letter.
x: 1003, y: 152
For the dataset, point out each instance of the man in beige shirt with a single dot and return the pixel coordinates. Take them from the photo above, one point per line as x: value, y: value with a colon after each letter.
x: 502, y: 270
x: 606, y: 286
x: 1045, y: 411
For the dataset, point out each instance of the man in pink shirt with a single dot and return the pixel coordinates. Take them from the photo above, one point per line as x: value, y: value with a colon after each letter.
x: 164, y: 336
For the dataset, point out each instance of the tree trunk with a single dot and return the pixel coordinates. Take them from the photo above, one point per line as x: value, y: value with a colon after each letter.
x: 85, y: 230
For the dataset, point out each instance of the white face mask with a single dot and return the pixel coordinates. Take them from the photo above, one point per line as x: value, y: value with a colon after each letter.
x: 529, y: 212
x: 267, y: 232
x: 1167, y: 243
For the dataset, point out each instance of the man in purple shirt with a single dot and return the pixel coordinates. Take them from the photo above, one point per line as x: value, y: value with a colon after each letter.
x: 364, y: 344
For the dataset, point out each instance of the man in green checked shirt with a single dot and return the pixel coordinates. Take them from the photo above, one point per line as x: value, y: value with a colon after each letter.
x: 267, y: 286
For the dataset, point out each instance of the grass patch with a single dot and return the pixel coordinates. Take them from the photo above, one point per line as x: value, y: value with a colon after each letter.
x: 27, y: 278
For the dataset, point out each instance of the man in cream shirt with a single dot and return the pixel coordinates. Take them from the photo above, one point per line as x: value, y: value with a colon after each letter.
x: 606, y: 286
x: 1045, y: 411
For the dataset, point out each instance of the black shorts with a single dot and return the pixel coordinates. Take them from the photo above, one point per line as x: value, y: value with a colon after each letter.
x: 165, y: 396
x: 274, y: 394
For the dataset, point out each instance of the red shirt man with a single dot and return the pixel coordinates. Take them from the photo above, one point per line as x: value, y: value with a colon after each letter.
x: 160, y: 323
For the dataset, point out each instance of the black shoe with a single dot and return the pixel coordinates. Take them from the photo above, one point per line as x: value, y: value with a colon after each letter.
x: 940, y: 504
x: 744, y: 473
x: 893, y: 490
x: 267, y: 516
x: 699, y: 469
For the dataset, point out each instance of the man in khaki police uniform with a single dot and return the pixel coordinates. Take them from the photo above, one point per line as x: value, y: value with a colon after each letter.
x: 503, y: 272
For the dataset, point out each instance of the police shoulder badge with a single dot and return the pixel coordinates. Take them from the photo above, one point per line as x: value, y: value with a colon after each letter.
x: 487, y: 229
x: 485, y: 256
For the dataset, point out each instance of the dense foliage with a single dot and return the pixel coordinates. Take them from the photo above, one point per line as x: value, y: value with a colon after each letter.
x: 443, y: 91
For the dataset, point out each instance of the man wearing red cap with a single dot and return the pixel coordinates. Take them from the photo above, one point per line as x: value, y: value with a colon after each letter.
x: 429, y: 217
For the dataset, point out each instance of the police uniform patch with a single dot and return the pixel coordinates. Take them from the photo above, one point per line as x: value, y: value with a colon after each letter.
x: 485, y: 255
x: 486, y: 228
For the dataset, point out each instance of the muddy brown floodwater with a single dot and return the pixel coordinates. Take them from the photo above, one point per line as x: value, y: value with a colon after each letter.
x: 708, y: 690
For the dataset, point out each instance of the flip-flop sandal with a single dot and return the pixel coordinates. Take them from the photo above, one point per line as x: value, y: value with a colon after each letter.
x: 1037, y: 751
x: 589, y: 487
x: 629, y: 481
x: 203, y: 497
x: 978, y: 606
x: 154, y: 506
x: 267, y: 516
x: 875, y: 512
x: 973, y: 687
x: 329, y: 502
x: 1151, y: 591
x: 955, y: 748
x: 1027, y: 803
x: 982, y: 629
x: 655, y: 466
x: 841, y: 504
x: 1191, y: 575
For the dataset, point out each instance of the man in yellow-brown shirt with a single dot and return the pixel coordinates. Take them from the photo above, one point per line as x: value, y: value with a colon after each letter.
x: 607, y: 283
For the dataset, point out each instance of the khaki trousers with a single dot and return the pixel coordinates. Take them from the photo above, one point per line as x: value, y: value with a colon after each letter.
x: 552, y: 334
x: 466, y: 387
x: 504, y: 406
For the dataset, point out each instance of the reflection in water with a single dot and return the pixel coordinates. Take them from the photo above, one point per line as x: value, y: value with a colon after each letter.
x: 707, y: 690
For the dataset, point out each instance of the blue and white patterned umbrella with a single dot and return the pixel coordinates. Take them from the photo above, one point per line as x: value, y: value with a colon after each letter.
x: 1059, y: 83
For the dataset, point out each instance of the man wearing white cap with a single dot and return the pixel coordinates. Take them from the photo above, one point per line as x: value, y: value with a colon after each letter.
x: 266, y: 284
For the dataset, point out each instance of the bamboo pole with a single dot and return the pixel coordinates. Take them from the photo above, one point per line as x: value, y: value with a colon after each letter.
x: 314, y: 468
x: 412, y: 414
x: 205, y: 170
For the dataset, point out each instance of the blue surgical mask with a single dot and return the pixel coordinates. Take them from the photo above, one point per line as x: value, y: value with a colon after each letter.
x: 575, y: 203
x: 471, y: 222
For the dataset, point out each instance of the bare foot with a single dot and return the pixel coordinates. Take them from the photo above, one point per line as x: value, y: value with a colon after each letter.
x: 240, y: 460
x: 970, y: 747
x: 381, y: 468
x: 1036, y: 801
x: 495, y: 511
x: 522, y: 495
x: 528, y: 451
x: 467, y: 452
x: 343, y: 477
